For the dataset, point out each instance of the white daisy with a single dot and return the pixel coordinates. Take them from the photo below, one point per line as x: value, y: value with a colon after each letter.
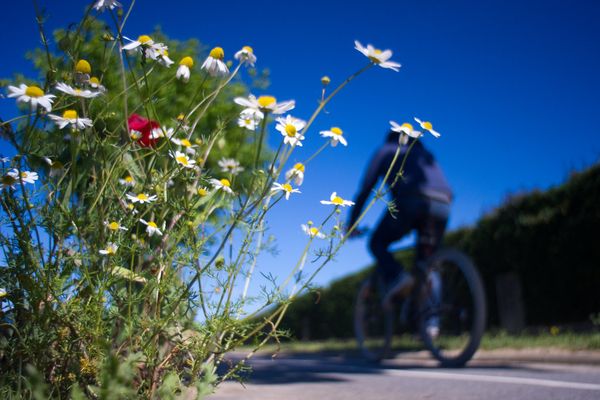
x: 290, y: 128
x: 88, y: 94
x: 286, y: 187
x: 182, y: 159
x: 337, y: 201
x: 25, y: 176
x: 405, y: 128
x: 109, y: 250
x: 70, y: 117
x: 249, y: 119
x: 4, y: 159
x: 202, y: 191
x: 246, y: 55
x: 135, y: 135
x: 222, y: 184
x: 264, y: 104
x: 141, y: 198
x: 146, y: 44
x: 335, y: 134
x: 230, y: 165
x: 312, y: 231
x: 32, y: 95
x: 377, y: 56
x: 152, y: 228
x: 102, y: 5
x: 428, y: 127
x: 114, y: 226
x: 214, y: 63
x: 163, y: 56
x: 128, y: 181
x: 94, y: 82
x: 183, y: 72
x: 296, y: 174
x: 159, y: 132
x: 189, y: 147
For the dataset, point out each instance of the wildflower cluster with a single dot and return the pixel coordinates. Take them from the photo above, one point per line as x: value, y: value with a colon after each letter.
x: 135, y: 207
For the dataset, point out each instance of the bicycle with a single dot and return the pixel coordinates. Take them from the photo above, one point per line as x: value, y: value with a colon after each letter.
x: 446, y: 306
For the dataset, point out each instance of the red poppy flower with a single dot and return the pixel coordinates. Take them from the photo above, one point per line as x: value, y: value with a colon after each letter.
x: 144, y: 126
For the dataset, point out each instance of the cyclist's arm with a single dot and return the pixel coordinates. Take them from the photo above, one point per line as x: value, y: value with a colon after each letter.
x: 369, y: 180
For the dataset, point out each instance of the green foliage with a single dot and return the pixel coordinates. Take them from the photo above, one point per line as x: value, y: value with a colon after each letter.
x: 549, y: 240
x: 128, y: 238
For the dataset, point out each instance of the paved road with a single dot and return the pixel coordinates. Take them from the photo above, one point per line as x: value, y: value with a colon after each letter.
x: 336, y: 377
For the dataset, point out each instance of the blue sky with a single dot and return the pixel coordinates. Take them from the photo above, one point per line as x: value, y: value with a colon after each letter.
x: 513, y: 86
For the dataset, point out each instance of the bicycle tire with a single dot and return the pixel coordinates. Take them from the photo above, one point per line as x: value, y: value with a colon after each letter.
x: 373, y: 326
x: 459, y: 313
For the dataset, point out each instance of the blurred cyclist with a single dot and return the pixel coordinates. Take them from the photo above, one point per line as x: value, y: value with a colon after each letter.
x: 422, y: 200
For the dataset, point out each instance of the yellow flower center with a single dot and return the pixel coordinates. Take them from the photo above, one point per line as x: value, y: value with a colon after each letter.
x: 113, y: 226
x: 337, y: 131
x: 314, y: 231
x: 248, y: 49
x: 266, y: 101
x: 110, y: 250
x: 94, y: 80
x: 337, y: 200
x: 83, y: 66
x: 34, y: 91
x: 186, y: 143
x: 142, y: 197
x: 375, y: 59
x: 129, y: 179
x: 70, y: 114
x: 325, y: 80
x: 217, y: 53
x: 287, y: 187
x: 427, y: 125
x: 290, y: 130
x: 144, y: 39
x: 299, y: 167
x: 407, y: 125
x: 180, y: 117
x: 202, y: 192
x: 152, y: 224
x: 187, y: 61
x: 182, y: 160
x: 225, y: 182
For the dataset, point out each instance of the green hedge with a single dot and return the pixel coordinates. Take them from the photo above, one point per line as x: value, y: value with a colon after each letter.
x: 550, y: 239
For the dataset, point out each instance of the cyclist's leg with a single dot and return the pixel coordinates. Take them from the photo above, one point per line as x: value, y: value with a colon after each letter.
x: 430, y: 230
x: 431, y: 226
x: 388, y: 231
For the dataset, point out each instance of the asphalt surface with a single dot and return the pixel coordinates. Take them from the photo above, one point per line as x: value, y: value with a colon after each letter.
x: 413, y: 376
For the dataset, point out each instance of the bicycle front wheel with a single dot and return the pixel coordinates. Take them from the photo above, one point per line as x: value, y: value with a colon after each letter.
x: 452, y: 308
x: 373, y: 326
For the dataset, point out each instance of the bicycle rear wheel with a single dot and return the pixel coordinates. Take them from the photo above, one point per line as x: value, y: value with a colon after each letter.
x: 452, y: 308
x: 373, y: 326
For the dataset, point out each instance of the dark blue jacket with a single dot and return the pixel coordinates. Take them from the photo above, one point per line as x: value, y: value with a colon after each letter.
x: 423, y: 176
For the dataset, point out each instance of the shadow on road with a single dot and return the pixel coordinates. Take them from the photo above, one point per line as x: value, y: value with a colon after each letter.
x: 319, y: 367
